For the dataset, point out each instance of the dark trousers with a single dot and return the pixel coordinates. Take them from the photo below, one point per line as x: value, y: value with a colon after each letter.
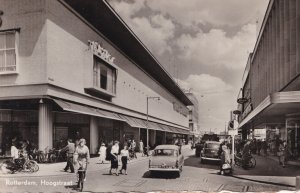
x: 69, y: 164
x: 124, y: 162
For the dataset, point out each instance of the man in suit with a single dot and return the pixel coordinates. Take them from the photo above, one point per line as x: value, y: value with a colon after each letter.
x: 69, y: 149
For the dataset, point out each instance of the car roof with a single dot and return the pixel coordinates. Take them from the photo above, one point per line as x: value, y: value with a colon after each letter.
x: 167, y: 147
x: 217, y: 142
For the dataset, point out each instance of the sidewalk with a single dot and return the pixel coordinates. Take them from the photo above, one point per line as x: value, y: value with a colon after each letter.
x: 269, y: 171
x: 56, y: 169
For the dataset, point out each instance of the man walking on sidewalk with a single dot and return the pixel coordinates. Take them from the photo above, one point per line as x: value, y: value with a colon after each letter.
x: 69, y: 149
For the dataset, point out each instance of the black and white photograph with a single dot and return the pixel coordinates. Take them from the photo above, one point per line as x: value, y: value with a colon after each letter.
x: 148, y: 96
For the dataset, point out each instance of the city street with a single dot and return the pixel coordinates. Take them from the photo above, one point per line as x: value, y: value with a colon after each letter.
x: 195, y: 177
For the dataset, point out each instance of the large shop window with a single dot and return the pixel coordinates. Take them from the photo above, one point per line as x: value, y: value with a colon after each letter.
x: 104, y: 77
x: 8, y: 52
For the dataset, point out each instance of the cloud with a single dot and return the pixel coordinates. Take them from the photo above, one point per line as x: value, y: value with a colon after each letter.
x: 214, y: 12
x: 216, y: 99
x: 217, y: 49
x: 127, y: 8
x: 154, y: 31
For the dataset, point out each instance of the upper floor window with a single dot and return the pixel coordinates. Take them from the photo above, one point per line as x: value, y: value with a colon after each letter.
x: 104, y: 76
x: 8, y: 52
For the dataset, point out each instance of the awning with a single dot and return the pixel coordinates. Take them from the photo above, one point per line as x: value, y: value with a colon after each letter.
x: 141, y: 123
x: 72, y: 107
x: 279, y: 103
x: 131, y: 121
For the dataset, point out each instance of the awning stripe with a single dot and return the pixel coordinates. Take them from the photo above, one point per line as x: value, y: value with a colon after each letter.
x: 67, y: 106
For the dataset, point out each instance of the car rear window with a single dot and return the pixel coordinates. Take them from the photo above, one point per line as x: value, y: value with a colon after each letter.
x: 165, y: 152
x: 212, y: 145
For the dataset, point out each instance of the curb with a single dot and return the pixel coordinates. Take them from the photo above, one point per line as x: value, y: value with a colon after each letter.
x: 264, y: 182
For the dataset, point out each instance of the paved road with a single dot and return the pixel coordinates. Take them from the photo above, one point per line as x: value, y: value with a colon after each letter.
x: 195, y: 177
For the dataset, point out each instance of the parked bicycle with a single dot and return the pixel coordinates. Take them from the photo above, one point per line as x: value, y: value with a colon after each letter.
x: 250, y: 162
x: 20, y: 164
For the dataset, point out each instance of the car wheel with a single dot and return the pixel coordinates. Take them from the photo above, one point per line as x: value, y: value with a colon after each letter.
x: 201, y: 160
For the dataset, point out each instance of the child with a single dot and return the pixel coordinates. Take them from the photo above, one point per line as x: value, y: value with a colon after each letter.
x: 124, y: 158
x: 102, y: 152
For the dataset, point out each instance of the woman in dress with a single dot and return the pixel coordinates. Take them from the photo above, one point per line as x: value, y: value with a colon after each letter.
x: 102, y: 152
x: 114, y: 158
x: 81, y: 156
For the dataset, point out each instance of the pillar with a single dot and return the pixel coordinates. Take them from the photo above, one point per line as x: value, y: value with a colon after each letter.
x: 45, y: 126
x: 94, y: 135
x: 152, y: 137
x: 164, y: 141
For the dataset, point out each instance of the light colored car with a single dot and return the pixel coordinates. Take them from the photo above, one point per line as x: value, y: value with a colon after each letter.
x: 166, y: 158
x: 210, y: 151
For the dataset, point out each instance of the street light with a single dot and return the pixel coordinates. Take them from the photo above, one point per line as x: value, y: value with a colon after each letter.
x: 158, y: 98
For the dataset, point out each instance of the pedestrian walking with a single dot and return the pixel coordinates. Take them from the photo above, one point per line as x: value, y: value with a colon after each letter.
x: 141, y: 147
x: 102, y: 153
x: 246, y: 154
x: 264, y: 146
x: 81, y: 157
x: 225, y: 157
x: 114, y: 158
x: 14, y: 152
x: 124, y: 159
x: 69, y: 149
x: 258, y: 146
x: 282, y: 153
x: 132, y: 149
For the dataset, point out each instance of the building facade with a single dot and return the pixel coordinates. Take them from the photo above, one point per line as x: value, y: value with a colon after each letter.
x: 270, y: 95
x: 193, y: 115
x: 73, y: 69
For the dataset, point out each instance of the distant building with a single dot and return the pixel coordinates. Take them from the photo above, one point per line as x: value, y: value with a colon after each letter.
x: 270, y: 96
x: 193, y: 114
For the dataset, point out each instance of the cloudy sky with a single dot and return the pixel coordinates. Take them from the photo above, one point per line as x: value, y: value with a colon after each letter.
x: 204, y: 45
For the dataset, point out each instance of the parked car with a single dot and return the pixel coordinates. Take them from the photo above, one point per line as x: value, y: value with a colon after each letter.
x: 166, y: 158
x: 210, y: 151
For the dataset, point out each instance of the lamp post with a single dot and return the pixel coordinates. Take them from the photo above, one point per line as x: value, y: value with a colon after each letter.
x: 158, y: 98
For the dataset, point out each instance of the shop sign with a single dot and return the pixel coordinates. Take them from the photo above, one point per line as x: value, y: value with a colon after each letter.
x: 242, y: 100
x: 101, y: 52
x: 237, y: 112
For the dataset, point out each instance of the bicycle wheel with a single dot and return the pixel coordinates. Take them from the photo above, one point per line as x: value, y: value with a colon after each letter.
x: 28, y: 166
x: 252, y: 162
x: 5, y: 169
x: 52, y: 158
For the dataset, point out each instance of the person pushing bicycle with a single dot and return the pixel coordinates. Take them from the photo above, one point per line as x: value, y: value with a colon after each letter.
x: 81, y: 158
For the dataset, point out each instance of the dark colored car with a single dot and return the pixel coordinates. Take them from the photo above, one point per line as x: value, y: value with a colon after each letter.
x: 210, y: 151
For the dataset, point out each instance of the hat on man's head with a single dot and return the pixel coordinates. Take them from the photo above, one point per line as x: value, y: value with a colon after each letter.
x: 102, y: 144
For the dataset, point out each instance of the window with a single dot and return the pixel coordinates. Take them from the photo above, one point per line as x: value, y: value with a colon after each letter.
x: 8, y: 52
x: 104, y: 76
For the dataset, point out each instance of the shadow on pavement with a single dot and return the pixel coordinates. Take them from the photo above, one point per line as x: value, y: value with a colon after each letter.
x: 194, y: 161
x: 160, y: 175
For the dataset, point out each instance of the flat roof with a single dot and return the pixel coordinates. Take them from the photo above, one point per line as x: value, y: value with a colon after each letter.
x: 104, y: 18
